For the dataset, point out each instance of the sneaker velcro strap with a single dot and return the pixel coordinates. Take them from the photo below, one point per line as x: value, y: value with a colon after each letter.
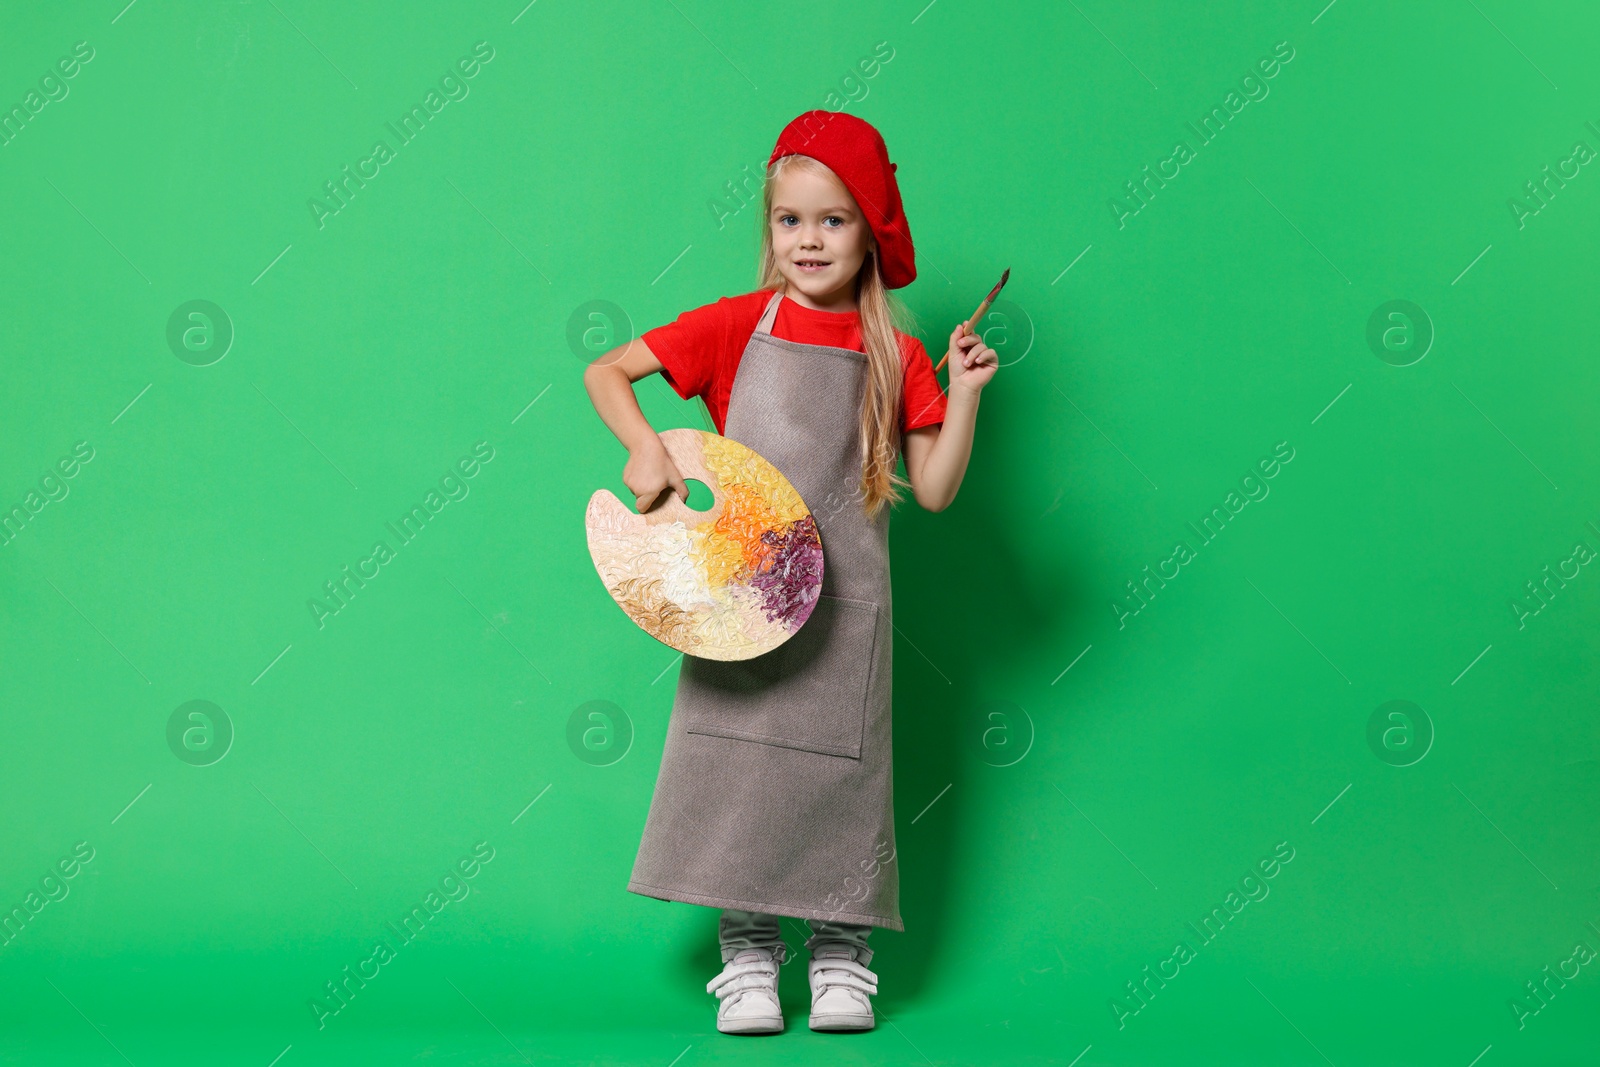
x: 737, y: 976
x: 847, y: 973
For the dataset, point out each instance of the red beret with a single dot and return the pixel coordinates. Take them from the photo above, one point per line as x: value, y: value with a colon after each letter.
x: 855, y: 151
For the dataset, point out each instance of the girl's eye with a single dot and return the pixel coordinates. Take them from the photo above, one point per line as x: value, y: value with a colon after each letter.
x: 834, y: 218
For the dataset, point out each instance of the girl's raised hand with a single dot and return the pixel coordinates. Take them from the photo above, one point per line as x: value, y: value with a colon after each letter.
x: 972, y: 363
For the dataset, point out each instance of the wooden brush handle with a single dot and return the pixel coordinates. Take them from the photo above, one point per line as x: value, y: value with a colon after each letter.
x: 966, y: 331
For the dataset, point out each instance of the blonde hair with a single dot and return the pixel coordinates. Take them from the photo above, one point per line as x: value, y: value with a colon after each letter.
x: 881, y: 314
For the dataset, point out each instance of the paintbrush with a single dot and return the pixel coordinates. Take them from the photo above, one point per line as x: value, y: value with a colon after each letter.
x: 977, y: 316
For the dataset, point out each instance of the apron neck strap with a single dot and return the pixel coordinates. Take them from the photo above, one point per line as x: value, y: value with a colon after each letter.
x: 769, y: 316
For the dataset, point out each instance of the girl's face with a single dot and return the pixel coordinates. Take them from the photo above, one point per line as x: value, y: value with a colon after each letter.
x: 819, y: 238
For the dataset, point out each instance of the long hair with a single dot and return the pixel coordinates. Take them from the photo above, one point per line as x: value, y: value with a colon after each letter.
x: 881, y: 314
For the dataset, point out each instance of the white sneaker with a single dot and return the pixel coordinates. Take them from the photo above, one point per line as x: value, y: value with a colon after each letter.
x: 748, y: 992
x: 839, y: 988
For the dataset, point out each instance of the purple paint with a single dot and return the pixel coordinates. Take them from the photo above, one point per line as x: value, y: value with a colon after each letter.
x: 791, y: 575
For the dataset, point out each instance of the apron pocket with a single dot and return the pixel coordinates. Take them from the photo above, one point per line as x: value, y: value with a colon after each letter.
x: 809, y: 693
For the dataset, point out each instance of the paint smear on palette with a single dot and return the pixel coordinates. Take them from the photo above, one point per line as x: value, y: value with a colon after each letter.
x: 733, y: 586
x: 765, y: 539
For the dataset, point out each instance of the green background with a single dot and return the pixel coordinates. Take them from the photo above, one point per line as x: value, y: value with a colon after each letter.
x: 1059, y: 829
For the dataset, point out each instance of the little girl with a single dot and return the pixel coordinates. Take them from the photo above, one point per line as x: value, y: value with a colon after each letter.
x: 775, y: 796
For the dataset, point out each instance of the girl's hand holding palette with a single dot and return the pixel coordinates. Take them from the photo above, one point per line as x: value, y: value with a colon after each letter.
x: 728, y: 583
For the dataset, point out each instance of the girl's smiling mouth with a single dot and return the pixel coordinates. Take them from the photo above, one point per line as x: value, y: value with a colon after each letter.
x: 812, y: 265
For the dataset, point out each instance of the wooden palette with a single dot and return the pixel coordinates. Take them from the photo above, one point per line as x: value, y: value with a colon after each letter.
x: 727, y: 583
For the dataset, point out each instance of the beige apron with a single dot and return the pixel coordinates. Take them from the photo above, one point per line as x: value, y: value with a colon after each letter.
x: 776, y: 791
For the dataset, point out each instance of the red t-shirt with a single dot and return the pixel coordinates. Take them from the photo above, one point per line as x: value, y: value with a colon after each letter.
x: 700, y: 351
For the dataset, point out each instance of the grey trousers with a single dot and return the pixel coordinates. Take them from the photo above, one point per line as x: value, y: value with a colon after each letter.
x: 740, y: 929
